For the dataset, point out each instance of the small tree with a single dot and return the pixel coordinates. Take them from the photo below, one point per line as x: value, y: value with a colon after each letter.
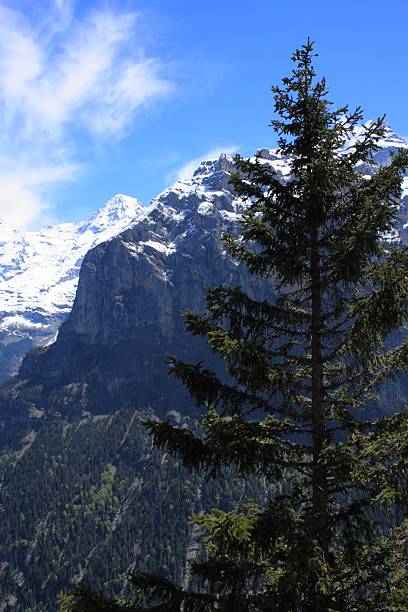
x: 303, y: 369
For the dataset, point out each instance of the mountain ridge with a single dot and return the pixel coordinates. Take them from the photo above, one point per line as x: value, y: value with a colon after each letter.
x: 126, y: 316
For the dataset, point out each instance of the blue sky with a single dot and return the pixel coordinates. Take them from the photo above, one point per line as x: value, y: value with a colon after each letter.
x: 104, y: 97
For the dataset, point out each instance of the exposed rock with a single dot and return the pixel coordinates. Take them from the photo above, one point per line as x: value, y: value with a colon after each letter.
x: 39, y: 274
x: 127, y: 313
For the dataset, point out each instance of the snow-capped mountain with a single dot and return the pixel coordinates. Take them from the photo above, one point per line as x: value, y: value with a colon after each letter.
x: 126, y: 316
x: 110, y: 352
x: 39, y: 270
x: 39, y: 274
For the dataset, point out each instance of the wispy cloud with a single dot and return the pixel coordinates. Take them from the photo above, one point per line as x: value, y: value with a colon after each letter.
x: 186, y: 170
x: 64, y: 81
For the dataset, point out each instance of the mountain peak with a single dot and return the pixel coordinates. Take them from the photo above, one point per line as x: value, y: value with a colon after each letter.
x: 119, y: 207
x: 39, y: 269
x: 392, y: 139
x: 223, y: 163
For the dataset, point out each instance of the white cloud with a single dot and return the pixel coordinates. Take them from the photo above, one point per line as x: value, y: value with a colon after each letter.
x: 19, y: 203
x: 23, y: 188
x: 63, y: 81
x: 186, y: 170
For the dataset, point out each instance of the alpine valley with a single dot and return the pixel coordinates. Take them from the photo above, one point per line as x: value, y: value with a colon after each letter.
x: 84, y: 498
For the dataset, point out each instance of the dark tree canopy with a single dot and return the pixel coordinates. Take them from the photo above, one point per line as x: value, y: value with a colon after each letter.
x: 303, y: 368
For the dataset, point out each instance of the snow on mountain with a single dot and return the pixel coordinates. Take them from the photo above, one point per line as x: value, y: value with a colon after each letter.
x: 388, y: 144
x: 209, y: 185
x: 39, y: 269
x: 132, y: 289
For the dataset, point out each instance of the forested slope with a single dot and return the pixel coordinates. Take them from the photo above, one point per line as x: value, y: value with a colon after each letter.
x: 90, y: 500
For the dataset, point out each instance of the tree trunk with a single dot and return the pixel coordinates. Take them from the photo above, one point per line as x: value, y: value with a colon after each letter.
x: 319, y: 469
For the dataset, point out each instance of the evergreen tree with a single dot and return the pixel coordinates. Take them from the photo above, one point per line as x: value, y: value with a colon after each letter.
x: 303, y: 370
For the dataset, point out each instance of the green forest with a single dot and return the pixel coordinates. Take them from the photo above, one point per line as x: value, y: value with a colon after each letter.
x: 92, y: 501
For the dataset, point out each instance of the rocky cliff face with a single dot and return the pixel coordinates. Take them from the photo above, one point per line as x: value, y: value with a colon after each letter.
x: 132, y: 290
x: 127, y: 312
x: 39, y: 274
